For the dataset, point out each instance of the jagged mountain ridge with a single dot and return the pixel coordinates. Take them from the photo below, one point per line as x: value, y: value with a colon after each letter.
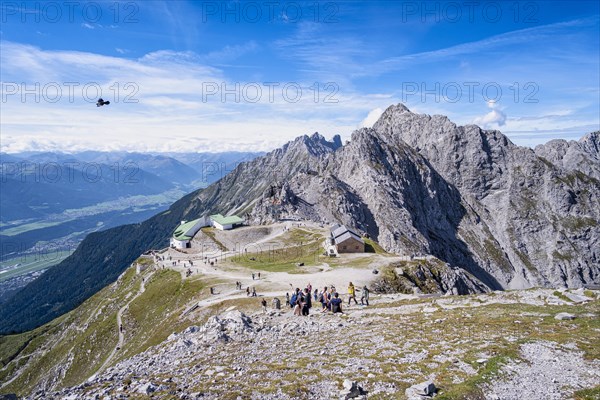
x: 544, y: 216
x: 420, y: 183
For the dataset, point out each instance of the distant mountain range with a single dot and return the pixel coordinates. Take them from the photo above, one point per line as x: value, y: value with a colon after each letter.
x: 50, y: 201
x: 39, y: 184
x: 512, y: 217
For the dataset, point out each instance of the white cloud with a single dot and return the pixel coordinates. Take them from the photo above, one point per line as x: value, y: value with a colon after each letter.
x: 229, y: 53
x: 371, y: 118
x: 492, y: 119
x: 171, y: 113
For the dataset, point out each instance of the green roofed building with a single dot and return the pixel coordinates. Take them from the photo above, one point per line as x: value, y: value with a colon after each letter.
x: 226, y: 223
x: 185, y: 232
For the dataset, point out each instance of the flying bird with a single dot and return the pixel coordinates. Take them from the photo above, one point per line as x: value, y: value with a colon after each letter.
x: 101, y: 102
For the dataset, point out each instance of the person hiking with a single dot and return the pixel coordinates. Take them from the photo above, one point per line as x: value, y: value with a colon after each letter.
x: 253, y: 276
x: 323, y: 299
x: 298, y: 304
x: 336, y: 304
x: 316, y: 294
x: 287, y: 299
x: 253, y: 291
x: 306, y: 303
x: 264, y: 304
x: 365, y: 295
x: 293, y: 299
x: 351, y: 293
x: 276, y: 303
x: 248, y: 291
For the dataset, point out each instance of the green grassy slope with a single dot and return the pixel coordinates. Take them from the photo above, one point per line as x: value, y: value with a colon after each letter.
x: 71, y: 348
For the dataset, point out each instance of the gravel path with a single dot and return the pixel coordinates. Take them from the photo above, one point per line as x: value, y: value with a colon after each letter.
x: 119, y: 344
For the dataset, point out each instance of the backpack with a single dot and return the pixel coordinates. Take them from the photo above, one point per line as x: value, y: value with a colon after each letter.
x: 321, y: 298
x: 335, y: 305
x: 293, y: 300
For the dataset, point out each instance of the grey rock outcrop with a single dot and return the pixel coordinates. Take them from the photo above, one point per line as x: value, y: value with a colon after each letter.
x: 427, y: 276
x: 421, y: 391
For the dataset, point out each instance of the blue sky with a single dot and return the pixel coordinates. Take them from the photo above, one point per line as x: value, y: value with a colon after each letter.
x: 209, y: 76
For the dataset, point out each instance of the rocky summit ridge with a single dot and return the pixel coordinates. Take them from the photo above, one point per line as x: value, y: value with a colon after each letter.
x: 512, y: 216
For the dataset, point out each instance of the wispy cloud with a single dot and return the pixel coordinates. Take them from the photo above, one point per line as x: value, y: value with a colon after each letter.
x: 527, y: 35
x: 323, y: 54
x: 229, y: 53
x: 371, y: 118
x: 170, y: 92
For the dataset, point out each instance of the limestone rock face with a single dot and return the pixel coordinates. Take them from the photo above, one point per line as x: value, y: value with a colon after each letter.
x: 542, y: 212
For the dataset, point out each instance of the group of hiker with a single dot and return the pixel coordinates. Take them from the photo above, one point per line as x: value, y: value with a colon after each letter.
x: 250, y: 291
x: 301, y: 301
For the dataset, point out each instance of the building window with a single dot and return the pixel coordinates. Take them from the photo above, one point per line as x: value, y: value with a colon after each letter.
x: 356, y: 248
x: 343, y: 247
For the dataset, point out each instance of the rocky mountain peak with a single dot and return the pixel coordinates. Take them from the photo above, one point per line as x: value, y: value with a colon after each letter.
x: 419, y: 183
x: 591, y: 144
x: 314, y: 145
x: 398, y: 123
x: 582, y: 155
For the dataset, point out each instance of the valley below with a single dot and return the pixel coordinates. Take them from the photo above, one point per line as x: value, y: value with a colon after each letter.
x: 31, y: 246
x: 51, y: 201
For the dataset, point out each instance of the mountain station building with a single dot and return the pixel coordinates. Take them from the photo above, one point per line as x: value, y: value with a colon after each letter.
x: 344, y: 240
x: 185, y: 232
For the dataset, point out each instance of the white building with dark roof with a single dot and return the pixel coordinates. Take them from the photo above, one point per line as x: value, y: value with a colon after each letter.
x: 345, y: 240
